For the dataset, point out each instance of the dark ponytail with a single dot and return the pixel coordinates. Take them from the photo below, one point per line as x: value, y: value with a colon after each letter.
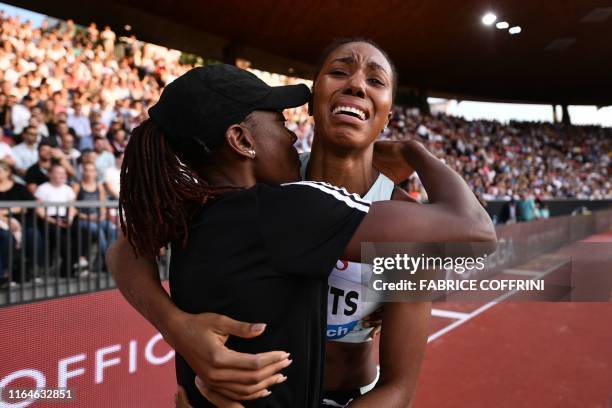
x: 159, y: 192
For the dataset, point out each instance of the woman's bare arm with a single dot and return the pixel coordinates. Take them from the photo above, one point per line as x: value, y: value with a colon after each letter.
x: 453, y: 213
x: 103, y: 209
x: 405, y: 324
x: 402, y: 347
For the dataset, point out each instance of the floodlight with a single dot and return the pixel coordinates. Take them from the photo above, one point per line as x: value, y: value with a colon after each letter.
x: 489, y: 19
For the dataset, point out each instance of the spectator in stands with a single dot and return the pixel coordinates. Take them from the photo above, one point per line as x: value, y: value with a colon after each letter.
x: 38, y: 173
x: 10, y: 229
x: 10, y: 241
x: 97, y: 130
x: 93, y: 222
x: 11, y: 191
x: 82, y: 128
x: 68, y: 28
x: 106, y: 114
x: 60, y: 128
x: 541, y: 210
x: 6, y: 153
x: 526, y: 207
x: 87, y: 156
x: 509, y: 213
x: 92, y: 33
x: 20, y: 112
x: 114, y: 126
x: 5, y: 247
x: 112, y: 177
x: 118, y: 141
x: 37, y: 120
x: 67, y: 147
x: 60, y: 217
x: 5, y: 115
x: 4, y: 137
x: 26, y: 152
x: 108, y: 40
x: 105, y: 158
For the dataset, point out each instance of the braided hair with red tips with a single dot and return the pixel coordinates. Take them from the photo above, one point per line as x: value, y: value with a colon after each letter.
x: 160, y: 192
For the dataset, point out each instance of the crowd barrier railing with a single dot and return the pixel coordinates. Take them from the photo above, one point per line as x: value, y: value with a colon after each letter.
x: 53, y: 249
x: 50, y: 250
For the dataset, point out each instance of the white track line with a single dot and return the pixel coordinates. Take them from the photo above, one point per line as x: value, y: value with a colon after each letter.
x: 449, y: 314
x: 486, y: 306
x: 470, y: 316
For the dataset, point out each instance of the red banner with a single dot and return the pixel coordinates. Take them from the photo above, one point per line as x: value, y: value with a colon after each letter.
x: 95, y: 345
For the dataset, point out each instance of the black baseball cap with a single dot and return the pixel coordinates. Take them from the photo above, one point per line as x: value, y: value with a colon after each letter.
x: 201, y: 104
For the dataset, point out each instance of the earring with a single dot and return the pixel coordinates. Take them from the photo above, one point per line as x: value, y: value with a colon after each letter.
x: 251, y: 152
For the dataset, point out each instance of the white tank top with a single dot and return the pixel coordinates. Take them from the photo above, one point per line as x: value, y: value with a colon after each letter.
x: 345, y: 309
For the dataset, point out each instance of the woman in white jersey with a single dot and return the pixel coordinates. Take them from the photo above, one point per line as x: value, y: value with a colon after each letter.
x: 353, y: 94
x: 355, y: 78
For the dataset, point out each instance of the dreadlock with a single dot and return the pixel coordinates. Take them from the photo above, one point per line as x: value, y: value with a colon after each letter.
x: 159, y: 192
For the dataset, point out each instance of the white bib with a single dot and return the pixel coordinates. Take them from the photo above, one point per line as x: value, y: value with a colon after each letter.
x: 345, y: 309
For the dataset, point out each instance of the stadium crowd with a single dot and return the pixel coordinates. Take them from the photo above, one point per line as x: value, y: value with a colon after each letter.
x: 505, y: 161
x: 70, y: 95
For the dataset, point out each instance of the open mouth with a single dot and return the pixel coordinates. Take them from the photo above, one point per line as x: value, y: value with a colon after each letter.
x: 350, y: 111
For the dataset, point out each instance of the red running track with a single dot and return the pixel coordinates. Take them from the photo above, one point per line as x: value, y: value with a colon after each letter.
x: 523, y: 354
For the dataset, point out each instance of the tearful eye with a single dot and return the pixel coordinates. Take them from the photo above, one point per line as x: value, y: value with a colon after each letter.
x: 338, y: 73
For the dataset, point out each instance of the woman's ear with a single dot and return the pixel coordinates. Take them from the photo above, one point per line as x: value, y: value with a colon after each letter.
x: 386, y: 122
x: 240, y: 141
